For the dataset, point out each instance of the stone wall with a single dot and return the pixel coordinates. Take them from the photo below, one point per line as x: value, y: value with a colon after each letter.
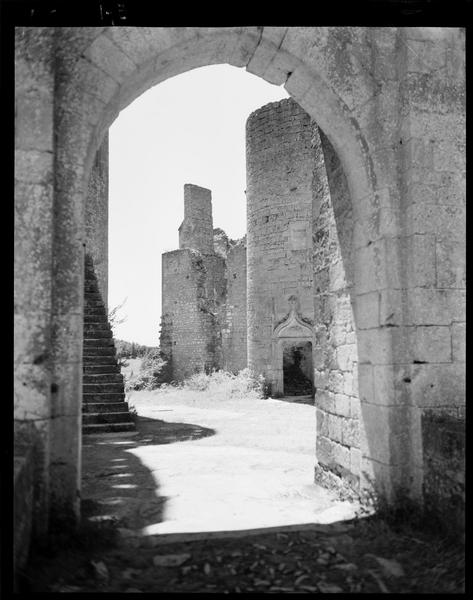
x: 280, y: 181
x: 432, y: 132
x: 33, y: 261
x: 234, y: 329
x: 336, y: 357
x: 203, y: 323
x: 96, y: 218
x: 443, y: 440
x: 193, y: 293
x: 391, y: 100
x: 196, y: 231
x: 191, y: 289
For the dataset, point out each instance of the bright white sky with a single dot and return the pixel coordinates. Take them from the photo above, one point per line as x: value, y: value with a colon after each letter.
x: 188, y: 129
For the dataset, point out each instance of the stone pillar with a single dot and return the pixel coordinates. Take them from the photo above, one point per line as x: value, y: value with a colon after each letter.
x: 33, y: 259
x: 280, y: 179
x: 433, y: 204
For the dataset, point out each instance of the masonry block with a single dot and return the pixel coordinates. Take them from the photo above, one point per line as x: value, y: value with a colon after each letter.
x: 431, y: 344
x: 458, y: 331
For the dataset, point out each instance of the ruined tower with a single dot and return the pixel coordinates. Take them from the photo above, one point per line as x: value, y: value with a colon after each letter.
x: 193, y: 289
x: 203, y: 324
x: 280, y: 181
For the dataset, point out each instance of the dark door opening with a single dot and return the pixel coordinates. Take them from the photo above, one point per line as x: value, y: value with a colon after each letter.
x: 297, y: 369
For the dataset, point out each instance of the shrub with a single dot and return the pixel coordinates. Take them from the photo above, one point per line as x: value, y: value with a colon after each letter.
x: 227, y: 385
x: 147, y: 377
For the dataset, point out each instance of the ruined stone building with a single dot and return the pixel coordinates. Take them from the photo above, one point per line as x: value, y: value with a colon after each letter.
x: 376, y: 191
x: 203, y: 324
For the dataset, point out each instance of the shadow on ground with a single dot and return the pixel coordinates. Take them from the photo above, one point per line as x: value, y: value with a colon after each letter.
x: 121, y: 495
x: 116, y: 486
x: 362, y: 556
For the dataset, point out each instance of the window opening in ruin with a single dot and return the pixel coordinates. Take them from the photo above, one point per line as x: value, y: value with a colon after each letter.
x: 297, y: 369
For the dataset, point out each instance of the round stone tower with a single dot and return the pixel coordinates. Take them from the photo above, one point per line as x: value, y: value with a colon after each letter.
x: 281, y: 175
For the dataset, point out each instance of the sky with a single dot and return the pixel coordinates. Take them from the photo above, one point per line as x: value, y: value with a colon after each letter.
x: 187, y: 129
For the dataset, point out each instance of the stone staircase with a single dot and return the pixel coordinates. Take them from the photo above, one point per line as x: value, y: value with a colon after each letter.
x: 103, y: 394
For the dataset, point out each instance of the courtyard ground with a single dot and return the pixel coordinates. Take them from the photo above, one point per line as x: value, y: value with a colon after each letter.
x: 218, y: 496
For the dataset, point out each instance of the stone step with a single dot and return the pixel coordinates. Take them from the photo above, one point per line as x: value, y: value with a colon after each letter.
x: 98, y: 407
x: 96, y: 319
x: 101, y: 388
x: 93, y: 369
x: 100, y: 351
x: 108, y: 427
x: 94, y: 304
x: 97, y: 378
x: 100, y: 342
x: 92, y: 292
x: 94, y: 310
x: 97, y: 333
x: 102, y: 325
x: 101, y: 397
x: 93, y: 300
x: 97, y: 360
x: 106, y: 417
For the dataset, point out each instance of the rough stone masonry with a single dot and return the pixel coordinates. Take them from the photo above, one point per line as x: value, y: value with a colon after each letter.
x: 390, y: 101
x: 203, y: 324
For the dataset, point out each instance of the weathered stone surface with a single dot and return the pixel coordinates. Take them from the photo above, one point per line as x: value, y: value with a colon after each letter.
x: 283, y: 165
x: 388, y: 223
x: 443, y: 438
x: 96, y: 218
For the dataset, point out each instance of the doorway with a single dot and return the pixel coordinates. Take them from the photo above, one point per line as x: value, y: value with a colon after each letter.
x: 297, y: 369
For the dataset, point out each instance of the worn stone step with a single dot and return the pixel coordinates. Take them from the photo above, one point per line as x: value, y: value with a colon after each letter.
x: 97, y: 368
x: 100, y: 342
x: 106, y: 417
x: 95, y: 359
x: 96, y: 320
x: 98, y: 407
x: 108, y: 427
x: 99, y: 388
x: 100, y: 351
x: 94, y: 310
x: 102, y: 325
x: 97, y: 333
x: 96, y: 378
x: 94, y: 299
x: 94, y: 304
x: 101, y: 397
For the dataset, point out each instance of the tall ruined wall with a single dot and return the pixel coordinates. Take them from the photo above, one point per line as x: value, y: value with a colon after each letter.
x: 191, y: 286
x: 280, y: 174
x: 193, y: 293
x: 96, y: 217
x: 234, y: 330
x: 196, y: 231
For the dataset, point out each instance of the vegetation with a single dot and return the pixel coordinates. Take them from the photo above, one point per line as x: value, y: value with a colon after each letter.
x: 133, y: 350
x: 227, y: 385
x: 148, y: 375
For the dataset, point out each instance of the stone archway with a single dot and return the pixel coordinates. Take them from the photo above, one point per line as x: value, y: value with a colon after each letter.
x: 96, y: 72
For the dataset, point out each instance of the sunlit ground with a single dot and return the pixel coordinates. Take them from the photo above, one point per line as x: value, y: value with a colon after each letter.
x: 198, y: 465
